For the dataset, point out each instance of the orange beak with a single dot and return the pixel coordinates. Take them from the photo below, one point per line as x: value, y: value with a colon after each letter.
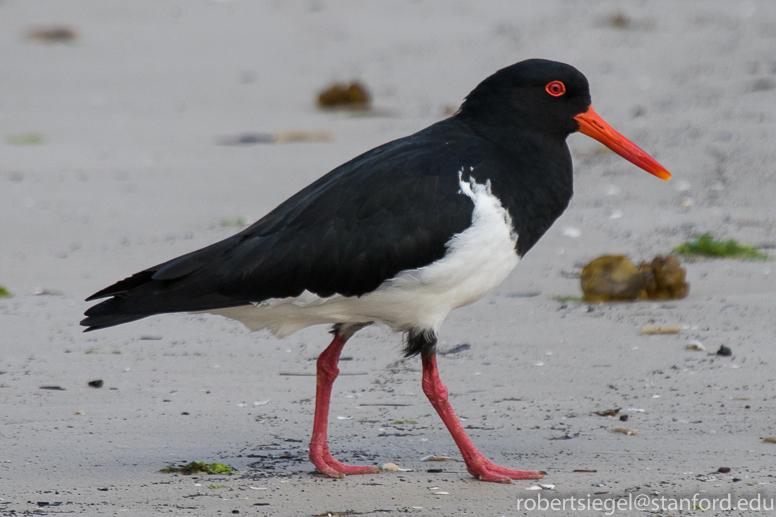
x: 592, y: 125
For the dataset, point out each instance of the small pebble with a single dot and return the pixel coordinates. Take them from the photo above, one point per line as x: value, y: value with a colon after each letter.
x: 724, y: 351
x: 619, y: 20
x: 572, y: 231
x: 42, y: 291
x: 613, y: 190
x: 683, y: 186
x: 723, y: 470
x: 437, y: 458
x: 656, y: 331
x: 523, y: 294
x: 695, y: 346
x: 456, y: 349
x: 392, y: 467
x: 53, y: 34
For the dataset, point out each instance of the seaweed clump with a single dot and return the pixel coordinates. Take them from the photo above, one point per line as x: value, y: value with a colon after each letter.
x: 707, y: 246
x: 195, y: 467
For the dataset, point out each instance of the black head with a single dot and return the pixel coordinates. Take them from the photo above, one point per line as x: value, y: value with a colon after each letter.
x: 538, y: 95
x: 544, y: 100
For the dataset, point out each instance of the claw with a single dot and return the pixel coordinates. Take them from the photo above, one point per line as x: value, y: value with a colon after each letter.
x: 487, y: 471
x: 326, y: 464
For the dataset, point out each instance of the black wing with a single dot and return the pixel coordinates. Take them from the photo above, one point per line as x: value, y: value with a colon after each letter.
x: 390, y: 209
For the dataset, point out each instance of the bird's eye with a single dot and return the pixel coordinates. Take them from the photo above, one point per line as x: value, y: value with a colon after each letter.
x: 555, y: 88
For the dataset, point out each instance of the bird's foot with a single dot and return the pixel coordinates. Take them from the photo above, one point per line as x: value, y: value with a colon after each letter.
x: 326, y: 464
x: 486, y: 471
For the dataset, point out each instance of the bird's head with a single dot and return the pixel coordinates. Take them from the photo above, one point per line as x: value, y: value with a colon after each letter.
x: 549, y: 98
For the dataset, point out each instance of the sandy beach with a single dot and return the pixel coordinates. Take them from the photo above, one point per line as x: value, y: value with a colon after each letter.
x: 111, y: 161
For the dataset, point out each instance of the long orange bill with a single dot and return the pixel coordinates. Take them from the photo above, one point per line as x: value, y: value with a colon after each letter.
x: 592, y: 125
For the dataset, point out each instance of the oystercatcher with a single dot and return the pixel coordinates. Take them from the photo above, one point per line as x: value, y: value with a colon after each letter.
x: 399, y: 236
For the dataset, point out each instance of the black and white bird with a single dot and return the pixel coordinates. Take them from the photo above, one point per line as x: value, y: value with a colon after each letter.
x: 399, y: 236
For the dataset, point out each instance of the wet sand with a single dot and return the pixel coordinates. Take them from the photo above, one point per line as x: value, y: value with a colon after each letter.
x: 109, y: 164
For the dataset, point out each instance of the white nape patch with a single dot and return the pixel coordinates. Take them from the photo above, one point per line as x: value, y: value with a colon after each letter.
x: 477, y: 260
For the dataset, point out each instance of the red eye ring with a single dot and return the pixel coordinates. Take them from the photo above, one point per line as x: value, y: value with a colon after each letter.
x: 555, y: 88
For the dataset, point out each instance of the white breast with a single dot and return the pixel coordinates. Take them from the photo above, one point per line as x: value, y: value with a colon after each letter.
x: 476, y: 261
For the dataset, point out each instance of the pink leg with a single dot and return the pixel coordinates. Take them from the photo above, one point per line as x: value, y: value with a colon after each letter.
x: 319, y: 445
x: 477, y: 464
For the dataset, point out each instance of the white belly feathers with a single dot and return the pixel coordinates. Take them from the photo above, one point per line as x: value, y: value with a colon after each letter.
x: 476, y: 261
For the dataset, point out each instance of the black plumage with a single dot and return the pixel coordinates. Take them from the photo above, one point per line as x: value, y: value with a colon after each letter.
x: 390, y: 209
